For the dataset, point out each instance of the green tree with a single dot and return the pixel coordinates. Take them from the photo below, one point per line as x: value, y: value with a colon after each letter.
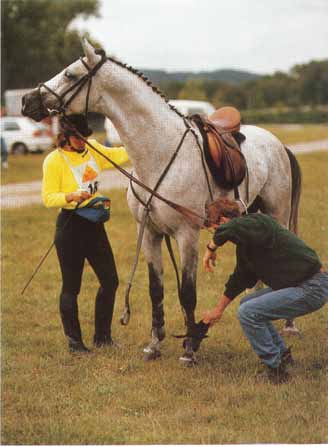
x: 232, y: 95
x: 193, y: 89
x: 171, y: 88
x: 36, y: 39
x: 312, y: 79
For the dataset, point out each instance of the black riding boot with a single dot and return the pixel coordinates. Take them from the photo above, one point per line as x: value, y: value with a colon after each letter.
x: 104, y: 308
x: 69, y: 316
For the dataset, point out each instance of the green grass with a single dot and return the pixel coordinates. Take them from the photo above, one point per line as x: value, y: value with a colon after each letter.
x: 298, y: 133
x: 113, y: 396
x: 25, y: 168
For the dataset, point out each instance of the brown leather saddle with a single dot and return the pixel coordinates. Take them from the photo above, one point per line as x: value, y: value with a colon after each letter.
x: 222, y: 139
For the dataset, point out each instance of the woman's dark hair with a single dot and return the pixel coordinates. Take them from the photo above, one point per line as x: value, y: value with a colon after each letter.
x: 222, y: 207
x: 72, y: 122
x: 62, y: 139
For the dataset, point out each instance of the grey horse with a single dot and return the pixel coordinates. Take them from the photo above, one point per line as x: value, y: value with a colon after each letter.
x: 151, y: 130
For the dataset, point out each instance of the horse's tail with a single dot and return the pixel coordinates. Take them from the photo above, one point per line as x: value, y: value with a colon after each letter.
x: 296, y: 190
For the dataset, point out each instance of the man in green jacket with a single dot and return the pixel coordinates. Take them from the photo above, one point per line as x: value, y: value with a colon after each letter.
x: 265, y: 251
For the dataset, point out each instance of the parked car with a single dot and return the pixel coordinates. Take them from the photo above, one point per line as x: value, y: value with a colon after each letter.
x: 22, y: 135
x: 185, y: 106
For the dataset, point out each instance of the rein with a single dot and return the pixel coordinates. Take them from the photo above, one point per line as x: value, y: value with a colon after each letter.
x: 145, y: 216
x: 190, y: 215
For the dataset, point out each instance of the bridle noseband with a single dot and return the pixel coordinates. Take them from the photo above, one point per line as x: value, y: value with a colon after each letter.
x: 75, y: 88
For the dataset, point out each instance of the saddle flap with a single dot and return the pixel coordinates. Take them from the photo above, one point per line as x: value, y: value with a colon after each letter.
x: 221, y: 148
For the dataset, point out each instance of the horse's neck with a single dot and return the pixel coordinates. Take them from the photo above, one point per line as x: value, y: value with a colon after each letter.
x: 149, y: 129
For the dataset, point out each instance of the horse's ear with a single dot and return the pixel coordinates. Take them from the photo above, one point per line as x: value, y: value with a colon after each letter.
x: 90, y: 53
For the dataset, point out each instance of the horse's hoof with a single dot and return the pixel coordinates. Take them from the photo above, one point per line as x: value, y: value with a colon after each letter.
x: 188, y: 359
x: 151, y: 354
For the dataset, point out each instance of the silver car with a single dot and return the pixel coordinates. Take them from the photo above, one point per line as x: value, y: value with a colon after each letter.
x: 22, y: 135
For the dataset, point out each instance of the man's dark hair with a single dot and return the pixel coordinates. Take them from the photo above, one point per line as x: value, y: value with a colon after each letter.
x: 222, y: 207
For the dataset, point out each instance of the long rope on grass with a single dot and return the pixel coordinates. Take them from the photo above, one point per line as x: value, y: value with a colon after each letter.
x: 44, y: 257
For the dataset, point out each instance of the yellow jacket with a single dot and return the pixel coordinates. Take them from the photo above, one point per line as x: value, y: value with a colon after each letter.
x: 59, y: 179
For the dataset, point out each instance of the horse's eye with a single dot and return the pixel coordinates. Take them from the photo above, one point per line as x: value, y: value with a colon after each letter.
x: 69, y: 75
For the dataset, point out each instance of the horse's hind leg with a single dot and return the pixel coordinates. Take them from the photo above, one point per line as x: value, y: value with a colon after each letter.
x: 188, y: 247
x: 152, y: 251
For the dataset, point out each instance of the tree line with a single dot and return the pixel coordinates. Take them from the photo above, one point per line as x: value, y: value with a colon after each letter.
x: 305, y: 84
x: 38, y: 41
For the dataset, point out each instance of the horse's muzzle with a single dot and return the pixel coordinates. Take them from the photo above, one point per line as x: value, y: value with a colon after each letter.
x: 33, y: 107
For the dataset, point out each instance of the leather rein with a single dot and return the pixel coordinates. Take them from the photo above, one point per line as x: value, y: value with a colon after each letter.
x: 191, y: 216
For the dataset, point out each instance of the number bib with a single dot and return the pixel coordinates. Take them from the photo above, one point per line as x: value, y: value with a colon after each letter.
x: 85, y: 174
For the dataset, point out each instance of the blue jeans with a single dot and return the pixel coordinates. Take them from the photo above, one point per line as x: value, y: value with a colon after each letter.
x: 256, y: 311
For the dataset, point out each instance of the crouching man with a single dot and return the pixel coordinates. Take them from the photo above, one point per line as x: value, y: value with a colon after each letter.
x: 298, y: 284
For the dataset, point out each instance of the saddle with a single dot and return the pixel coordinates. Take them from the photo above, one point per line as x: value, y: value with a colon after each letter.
x: 222, y: 139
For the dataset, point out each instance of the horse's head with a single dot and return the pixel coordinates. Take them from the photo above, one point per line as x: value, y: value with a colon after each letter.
x: 68, y: 89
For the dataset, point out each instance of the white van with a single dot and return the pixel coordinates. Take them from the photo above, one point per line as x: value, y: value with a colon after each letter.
x: 185, y: 106
x: 188, y: 107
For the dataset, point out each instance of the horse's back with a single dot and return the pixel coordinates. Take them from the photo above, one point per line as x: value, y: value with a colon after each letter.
x: 262, y: 145
x: 259, y: 136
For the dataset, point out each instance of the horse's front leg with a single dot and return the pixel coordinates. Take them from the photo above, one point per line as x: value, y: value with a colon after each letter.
x: 152, y: 243
x: 188, y: 247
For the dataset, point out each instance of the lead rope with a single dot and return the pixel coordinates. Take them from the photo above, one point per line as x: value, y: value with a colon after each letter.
x: 125, y: 317
x: 44, y: 257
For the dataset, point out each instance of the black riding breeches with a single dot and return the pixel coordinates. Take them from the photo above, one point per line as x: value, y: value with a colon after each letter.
x: 77, y: 239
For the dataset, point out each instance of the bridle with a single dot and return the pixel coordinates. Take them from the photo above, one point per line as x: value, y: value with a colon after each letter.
x: 75, y: 88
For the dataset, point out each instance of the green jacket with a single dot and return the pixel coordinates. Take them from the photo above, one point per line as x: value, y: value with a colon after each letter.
x: 265, y: 251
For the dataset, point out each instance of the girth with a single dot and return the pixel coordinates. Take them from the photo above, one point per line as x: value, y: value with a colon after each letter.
x: 222, y: 139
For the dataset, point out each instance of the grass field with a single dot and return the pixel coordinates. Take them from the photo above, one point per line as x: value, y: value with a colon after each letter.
x: 113, y: 396
x: 25, y: 168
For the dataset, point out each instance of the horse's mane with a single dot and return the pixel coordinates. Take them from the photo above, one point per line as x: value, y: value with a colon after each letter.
x: 144, y: 78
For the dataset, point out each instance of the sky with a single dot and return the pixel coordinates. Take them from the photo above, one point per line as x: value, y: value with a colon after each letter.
x: 261, y: 36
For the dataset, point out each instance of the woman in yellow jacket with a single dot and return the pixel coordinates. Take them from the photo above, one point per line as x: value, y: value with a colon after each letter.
x: 71, y: 182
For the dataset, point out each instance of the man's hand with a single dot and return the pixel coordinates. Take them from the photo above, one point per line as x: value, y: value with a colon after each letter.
x: 78, y: 196
x: 209, y: 260
x: 212, y: 316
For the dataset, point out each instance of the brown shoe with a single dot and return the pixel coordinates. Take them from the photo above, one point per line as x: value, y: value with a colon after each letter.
x: 287, y: 358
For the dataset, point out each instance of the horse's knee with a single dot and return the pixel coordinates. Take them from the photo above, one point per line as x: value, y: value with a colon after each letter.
x: 155, y: 284
x: 188, y: 296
